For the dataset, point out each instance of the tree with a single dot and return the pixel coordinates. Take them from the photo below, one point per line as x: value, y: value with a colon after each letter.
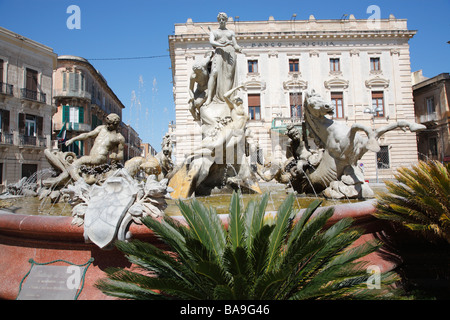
x: 251, y: 258
x: 420, y: 200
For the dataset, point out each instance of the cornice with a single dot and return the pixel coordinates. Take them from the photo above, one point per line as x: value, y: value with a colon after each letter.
x: 303, y: 35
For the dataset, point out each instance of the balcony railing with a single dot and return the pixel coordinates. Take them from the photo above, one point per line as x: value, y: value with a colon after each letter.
x: 6, y: 88
x: 33, y: 95
x: 6, y: 138
x: 32, y: 141
x: 427, y: 117
x: 73, y: 94
x: 72, y: 126
x: 27, y: 140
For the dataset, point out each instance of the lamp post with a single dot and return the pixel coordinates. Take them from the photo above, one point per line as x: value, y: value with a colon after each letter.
x: 373, y: 111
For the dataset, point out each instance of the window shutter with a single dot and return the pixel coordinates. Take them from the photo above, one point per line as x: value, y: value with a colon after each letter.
x: 21, y: 123
x: 64, y: 81
x: 65, y: 117
x: 40, y: 126
x: 80, y: 115
x: 77, y: 82
x: 254, y: 100
x: 5, y: 121
x: 31, y: 83
x: 71, y: 81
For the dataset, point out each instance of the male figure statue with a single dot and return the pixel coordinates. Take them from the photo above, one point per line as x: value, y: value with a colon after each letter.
x: 107, y: 139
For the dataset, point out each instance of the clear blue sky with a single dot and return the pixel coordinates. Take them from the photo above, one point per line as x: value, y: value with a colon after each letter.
x: 138, y: 28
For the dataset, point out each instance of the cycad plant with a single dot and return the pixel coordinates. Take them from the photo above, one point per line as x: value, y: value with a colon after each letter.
x: 247, y: 259
x: 420, y: 200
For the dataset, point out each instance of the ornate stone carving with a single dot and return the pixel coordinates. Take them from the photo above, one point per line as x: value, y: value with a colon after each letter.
x: 331, y: 168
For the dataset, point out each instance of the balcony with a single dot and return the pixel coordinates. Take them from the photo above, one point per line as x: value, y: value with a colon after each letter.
x: 33, y: 95
x: 32, y: 141
x: 429, y: 117
x: 81, y: 94
x: 72, y: 126
x: 6, y: 88
x: 6, y: 138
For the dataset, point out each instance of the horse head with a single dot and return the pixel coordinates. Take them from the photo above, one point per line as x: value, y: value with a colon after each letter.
x: 316, y: 106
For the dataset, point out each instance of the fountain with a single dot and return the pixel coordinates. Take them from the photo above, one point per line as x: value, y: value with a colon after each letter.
x: 217, y: 108
x: 107, y: 199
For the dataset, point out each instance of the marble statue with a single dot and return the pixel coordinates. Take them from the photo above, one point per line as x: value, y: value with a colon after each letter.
x: 330, y: 168
x: 198, y: 86
x: 223, y: 67
x: 106, y: 196
x: 108, y: 144
x: 107, y: 210
x: 220, y: 158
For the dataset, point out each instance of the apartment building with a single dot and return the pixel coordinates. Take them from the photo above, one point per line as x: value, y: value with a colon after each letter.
x: 83, y: 99
x: 431, y: 103
x: 26, y: 108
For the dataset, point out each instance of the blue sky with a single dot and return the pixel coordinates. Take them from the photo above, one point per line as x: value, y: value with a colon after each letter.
x: 138, y: 28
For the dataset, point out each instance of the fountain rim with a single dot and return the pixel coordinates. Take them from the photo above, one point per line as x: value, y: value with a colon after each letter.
x: 60, y: 228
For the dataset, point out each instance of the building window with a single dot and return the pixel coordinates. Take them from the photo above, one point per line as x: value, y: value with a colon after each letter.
x: 294, y: 65
x: 30, y: 126
x: 29, y: 170
x: 431, y: 108
x: 295, y: 100
x: 254, y: 107
x: 433, y: 146
x: 378, y: 103
x: 77, y: 81
x: 383, y: 158
x: 31, y: 80
x: 73, y: 114
x: 252, y: 66
x: 4, y: 122
x: 334, y: 64
x: 337, y: 100
x: 375, y: 64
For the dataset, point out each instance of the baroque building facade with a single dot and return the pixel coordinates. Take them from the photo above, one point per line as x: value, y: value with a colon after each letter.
x: 362, y: 68
x: 83, y: 100
x: 26, y: 107
x: 431, y: 102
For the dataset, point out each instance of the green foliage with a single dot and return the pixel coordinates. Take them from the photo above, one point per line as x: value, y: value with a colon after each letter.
x: 249, y: 259
x: 420, y: 200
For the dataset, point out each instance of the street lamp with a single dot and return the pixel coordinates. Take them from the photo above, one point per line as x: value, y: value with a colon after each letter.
x: 373, y: 111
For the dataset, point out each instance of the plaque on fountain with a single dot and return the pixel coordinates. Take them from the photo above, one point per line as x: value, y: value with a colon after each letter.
x: 46, y: 282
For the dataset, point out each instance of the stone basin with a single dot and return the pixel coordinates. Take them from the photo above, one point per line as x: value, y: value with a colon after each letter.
x: 46, y: 238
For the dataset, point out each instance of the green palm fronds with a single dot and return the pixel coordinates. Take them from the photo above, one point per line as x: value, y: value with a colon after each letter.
x: 251, y: 258
x: 420, y: 200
